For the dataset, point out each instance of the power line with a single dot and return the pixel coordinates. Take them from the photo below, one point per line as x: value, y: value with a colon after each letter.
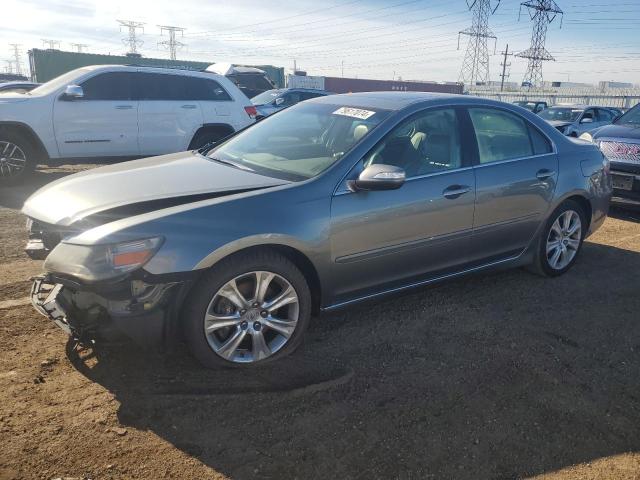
x: 132, y: 29
x: 79, y: 47
x: 542, y: 12
x: 172, y: 44
x: 51, y: 44
x: 15, y: 47
x: 475, y: 66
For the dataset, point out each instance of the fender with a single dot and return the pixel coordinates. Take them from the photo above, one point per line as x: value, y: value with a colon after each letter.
x: 39, y: 145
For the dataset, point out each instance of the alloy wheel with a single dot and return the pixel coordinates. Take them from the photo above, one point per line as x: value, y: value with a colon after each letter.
x: 12, y: 159
x: 564, y: 239
x: 251, y: 317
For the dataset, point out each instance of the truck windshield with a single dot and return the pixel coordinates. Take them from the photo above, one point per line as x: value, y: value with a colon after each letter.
x: 300, y: 142
x: 632, y: 117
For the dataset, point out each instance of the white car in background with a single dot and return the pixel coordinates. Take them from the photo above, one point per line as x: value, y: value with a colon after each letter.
x: 117, y: 111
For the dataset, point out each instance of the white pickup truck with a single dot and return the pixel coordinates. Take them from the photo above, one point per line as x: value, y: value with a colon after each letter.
x: 116, y: 111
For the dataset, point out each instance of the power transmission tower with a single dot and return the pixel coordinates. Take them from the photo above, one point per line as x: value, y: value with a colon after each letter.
x: 132, y: 29
x: 50, y: 44
x: 16, y: 57
x: 172, y: 44
x: 542, y: 12
x: 504, y: 66
x: 9, y: 67
x: 475, y: 66
x: 79, y: 46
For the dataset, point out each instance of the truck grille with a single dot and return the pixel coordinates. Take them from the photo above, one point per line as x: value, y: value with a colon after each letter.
x: 621, y: 152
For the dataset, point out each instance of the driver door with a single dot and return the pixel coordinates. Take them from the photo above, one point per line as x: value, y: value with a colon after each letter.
x: 384, y: 239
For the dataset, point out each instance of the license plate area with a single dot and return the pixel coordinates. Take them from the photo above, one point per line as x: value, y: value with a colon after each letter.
x: 622, y: 182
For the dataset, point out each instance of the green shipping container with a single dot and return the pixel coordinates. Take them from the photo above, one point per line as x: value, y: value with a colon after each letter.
x: 48, y: 64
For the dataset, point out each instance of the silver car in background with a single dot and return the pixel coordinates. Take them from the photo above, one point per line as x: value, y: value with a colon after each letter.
x: 334, y: 201
x: 574, y: 120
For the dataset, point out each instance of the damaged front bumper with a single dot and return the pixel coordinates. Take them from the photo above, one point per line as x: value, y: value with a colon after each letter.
x: 144, y: 309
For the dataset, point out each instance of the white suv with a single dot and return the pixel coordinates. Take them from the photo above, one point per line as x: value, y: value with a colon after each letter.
x: 117, y: 111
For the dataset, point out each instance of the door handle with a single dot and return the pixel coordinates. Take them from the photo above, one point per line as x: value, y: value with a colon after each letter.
x: 454, y: 191
x: 545, y: 174
x: 124, y: 107
x: 188, y: 106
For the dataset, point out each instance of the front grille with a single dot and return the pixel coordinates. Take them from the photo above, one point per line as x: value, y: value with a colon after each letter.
x: 621, y: 151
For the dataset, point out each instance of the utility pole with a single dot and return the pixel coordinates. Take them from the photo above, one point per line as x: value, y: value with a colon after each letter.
x: 172, y: 44
x: 504, y: 66
x: 342, y: 68
x: 9, y: 67
x: 16, y: 57
x: 79, y: 46
x: 542, y: 12
x: 132, y: 29
x: 51, y: 44
x: 475, y: 66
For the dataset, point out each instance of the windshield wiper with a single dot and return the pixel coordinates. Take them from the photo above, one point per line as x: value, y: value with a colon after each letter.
x: 232, y: 164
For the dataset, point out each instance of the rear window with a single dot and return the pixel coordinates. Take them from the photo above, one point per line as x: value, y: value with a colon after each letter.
x: 205, y: 89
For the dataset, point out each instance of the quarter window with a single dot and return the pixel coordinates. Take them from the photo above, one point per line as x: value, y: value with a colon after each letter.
x: 205, y: 89
x: 108, y: 86
x: 158, y: 86
x: 427, y: 143
x: 501, y: 135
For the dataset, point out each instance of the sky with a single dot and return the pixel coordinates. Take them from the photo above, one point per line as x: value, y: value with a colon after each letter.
x: 410, y: 39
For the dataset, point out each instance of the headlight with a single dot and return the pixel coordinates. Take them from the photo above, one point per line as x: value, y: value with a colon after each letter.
x: 101, y: 262
x: 586, y: 136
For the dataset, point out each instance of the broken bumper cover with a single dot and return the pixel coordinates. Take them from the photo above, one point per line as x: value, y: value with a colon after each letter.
x: 144, y: 312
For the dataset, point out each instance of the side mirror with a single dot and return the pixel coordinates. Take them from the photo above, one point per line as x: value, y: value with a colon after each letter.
x: 587, y: 120
x: 73, y: 92
x: 379, y: 177
x: 279, y: 101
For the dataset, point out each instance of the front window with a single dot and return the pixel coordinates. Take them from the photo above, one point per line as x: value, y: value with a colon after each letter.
x: 632, y: 117
x: 266, y: 97
x: 562, y: 114
x: 63, y: 80
x: 300, y: 142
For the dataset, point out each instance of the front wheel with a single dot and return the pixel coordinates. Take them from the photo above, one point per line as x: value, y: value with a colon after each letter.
x: 249, y: 309
x: 561, y: 240
x: 17, y: 158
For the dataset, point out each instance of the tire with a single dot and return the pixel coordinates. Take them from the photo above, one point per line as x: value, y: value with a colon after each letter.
x: 211, y: 348
x: 200, y: 139
x: 543, y: 263
x: 18, y: 158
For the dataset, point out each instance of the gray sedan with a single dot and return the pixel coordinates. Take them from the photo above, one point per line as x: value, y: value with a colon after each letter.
x: 334, y: 201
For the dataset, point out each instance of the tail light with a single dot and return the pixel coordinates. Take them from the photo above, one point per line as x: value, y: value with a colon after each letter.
x: 251, y: 111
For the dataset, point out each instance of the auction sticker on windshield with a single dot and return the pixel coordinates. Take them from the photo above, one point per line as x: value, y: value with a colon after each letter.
x: 354, y: 112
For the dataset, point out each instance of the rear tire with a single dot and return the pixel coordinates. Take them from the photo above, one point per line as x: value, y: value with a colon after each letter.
x: 266, y: 334
x: 18, y: 158
x: 560, y: 241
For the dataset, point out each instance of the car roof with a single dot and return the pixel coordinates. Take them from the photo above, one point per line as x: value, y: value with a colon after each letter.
x: 393, y: 100
x: 152, y: 68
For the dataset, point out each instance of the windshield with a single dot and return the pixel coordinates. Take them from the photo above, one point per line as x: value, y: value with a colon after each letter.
x: 563, y: 114
x: 528, y: 105
x: 266, y: 97
x: 299, y: 142
x: 59, y: 82
x: 632, y: 117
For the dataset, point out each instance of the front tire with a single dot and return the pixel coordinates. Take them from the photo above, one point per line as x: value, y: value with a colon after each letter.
x: 561, y: 240
x: 250, y: 309
x: 17, y: 158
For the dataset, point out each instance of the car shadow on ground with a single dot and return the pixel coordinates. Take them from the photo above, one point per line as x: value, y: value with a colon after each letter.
x: 627, y: 213
x: 495, y: 376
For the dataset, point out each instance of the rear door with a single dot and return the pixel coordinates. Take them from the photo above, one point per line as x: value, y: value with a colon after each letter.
x: 168, y: 115
x: 516, y: 177
x: 104, y: 122
x: 386, y: 238
x: 215, y: 102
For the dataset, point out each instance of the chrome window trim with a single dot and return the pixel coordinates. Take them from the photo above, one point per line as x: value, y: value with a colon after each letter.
x: 511, y: 160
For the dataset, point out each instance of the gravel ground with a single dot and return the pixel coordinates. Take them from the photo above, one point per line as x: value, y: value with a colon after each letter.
x: 497, y: 376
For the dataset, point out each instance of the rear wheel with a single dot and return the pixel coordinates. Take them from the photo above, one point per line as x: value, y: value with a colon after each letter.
x: 17, y: 158
x: 249, y: 309
x: 561, y: 240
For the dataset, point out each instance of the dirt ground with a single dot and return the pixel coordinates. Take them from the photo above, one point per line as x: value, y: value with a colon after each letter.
x: 497, y: 376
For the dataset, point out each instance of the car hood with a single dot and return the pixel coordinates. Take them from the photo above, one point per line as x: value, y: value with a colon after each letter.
x: 618, y: 131
x: 143, y: 185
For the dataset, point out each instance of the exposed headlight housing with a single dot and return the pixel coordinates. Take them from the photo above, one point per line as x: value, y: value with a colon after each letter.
x: 586, y: 136
x: 101, y: 262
